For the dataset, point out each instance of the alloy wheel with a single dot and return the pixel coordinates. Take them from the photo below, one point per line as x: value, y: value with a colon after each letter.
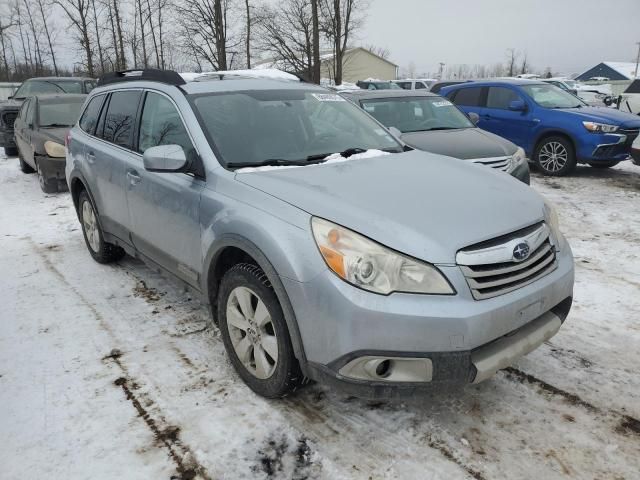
x: 252, y: 332
x: 90, y: 226
x: 553, y: 156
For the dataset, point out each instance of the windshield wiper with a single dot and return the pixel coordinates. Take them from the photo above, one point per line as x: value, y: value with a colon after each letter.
x: 270, y: 162
x: 345, y: 153
x: 55, y: 125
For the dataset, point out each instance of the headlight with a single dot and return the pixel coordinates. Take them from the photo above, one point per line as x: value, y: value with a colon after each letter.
x: 54, y: 149
x: 368, y: 265
x: 516, y: 159
x: 600, y: 127
x: 551, y: 219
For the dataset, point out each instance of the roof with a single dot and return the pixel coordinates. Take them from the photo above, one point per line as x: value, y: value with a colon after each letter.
x: 242, y: 84
x: 60, y: 79
x: 370, y: 94
x: 611, y: 70
x: 65, y: 96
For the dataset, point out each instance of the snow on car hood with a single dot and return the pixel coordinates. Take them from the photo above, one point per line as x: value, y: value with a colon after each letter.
x: 424, y: 205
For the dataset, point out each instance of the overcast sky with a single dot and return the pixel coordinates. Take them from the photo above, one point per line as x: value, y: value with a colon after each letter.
x: 566, y: 35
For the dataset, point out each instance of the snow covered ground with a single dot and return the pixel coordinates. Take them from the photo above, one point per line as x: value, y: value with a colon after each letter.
x: 112, y: 372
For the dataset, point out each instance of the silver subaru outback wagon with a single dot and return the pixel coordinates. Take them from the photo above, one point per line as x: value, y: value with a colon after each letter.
x: 327, y: 249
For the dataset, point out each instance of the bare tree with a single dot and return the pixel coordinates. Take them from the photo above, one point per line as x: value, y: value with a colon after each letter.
x: 512, y: 58
x: 315, y: 40
x: 42, y: 8
x: 381, y: 52
x: 248, y: 33
x: 286, y: 33
x: 342, y: 18
x: 524, y: 66
x: 77, y: 11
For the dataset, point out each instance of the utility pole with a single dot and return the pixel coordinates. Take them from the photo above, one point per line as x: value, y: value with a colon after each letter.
x: 441, y: 69
x: 637, y: 60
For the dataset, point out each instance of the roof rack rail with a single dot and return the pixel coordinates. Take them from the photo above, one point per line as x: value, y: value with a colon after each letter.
x: 150, y: 74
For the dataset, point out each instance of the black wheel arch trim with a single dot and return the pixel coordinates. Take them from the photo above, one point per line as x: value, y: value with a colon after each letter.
x: 237, y: 241
x: 554, y: 133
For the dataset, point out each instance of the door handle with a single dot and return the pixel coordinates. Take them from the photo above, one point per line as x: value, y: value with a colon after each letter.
x: 91, y: 158
x: 134, y: 177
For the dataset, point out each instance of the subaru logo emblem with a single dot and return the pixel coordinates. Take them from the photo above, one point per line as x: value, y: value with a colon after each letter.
x: 521, y: 251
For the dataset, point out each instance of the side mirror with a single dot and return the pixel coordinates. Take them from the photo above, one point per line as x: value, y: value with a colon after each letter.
x: 164, y: 158
x: 395, y: 132
x: 474, y: 117
x: 517, y: 106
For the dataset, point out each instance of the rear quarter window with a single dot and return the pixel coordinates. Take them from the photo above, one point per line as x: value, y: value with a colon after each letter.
x: 468, y: 97
x: 120, y: 119
x: 89, y: 118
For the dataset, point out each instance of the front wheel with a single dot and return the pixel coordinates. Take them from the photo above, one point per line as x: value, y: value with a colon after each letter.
x: 555, y: 156
x: 101, y: 251
x: 610, y: 164
x: 255, y: 332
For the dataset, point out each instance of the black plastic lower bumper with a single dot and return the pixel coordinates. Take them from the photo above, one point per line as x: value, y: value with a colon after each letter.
x: 51, y: 167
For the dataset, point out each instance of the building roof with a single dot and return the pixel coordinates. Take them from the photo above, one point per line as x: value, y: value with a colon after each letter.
x: 611, y: 70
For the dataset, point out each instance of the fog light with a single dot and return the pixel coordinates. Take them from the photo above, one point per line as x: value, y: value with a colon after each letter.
x: 389, y: 369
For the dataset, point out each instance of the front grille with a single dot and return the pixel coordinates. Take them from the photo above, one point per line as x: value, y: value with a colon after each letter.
x: 501, y: 163
x: 9, y: 119
x: 503, y: 274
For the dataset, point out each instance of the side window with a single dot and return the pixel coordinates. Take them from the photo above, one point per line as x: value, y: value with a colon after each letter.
x: 161, y: 125
x: 23, y: 110
x: 420, y: 85
x: 89, y: 85
x: 30, y: 109
x: 469, y: 97
x: 501, y: 97
x: 89, y: 118
x: 404, y: 85
x: 119, y: 122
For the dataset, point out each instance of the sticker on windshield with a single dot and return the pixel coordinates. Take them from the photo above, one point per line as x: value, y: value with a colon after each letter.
x: 328, y: 97
x: 442, y: 103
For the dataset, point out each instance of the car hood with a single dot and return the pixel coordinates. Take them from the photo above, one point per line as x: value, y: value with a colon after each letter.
x: 464, y: 143
x: 424, y: 205
x: 604, y: 115
x: 55, y: 134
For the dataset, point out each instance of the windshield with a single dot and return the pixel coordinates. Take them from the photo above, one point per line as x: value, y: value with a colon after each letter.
x: 252, y: 127
x: 550, y: 96
x: 417, y: 114
x: 62, y: 113
x: 38, y: 87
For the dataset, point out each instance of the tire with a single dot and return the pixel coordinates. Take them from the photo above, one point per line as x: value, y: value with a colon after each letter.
x: 11, y: 151
x: 610, y: 164
x: 260, y: 348
x: 555, y: 156
x: 101, y: 251
x: 24, y: 166
x: 48, y: 185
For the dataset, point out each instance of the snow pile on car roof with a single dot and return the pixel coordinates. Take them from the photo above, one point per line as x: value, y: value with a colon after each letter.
x: 270, y: 73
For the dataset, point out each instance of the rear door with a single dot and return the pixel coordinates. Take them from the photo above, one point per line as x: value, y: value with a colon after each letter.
x: 109, y: 154
x: 165, y: 207
x: 497, y: 118
x: 24, y: 130
x: 470, y: 99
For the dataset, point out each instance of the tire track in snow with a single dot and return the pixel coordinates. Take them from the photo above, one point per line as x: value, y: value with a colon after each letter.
x: 186, y: 463
x: 626, y: 423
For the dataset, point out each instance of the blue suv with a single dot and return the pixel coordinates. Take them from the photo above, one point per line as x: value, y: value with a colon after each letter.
x: 556, y: 129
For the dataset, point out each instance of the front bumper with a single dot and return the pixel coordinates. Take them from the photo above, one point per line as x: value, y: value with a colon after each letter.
x: 605, y: 147
x: 339, y: 323
x: 7, y: 140
x: 521, y: 172
x: 52, y: 167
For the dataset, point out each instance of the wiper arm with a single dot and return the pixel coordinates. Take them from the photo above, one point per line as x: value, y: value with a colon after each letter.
x: 55, y: 125
x: 345, y: 153
x: 270, y: 162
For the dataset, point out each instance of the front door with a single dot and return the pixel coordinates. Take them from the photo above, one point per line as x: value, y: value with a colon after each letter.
x: 22, y: 131
x: 499, y: 119
x: 165, y: 207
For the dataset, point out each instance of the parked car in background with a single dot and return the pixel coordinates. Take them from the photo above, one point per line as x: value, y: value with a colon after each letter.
x: 635, y: 151
x: 415, y: 83
x: 8, y: 89
x: 431, y: 123
x: 377, y: 85
x: 436, y: 87
x: 563, y: 83
x: 629, y: 101
x: 36, y: 86
x: 325, y: 249
x: 40, y: 132
x: 556, y: 129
